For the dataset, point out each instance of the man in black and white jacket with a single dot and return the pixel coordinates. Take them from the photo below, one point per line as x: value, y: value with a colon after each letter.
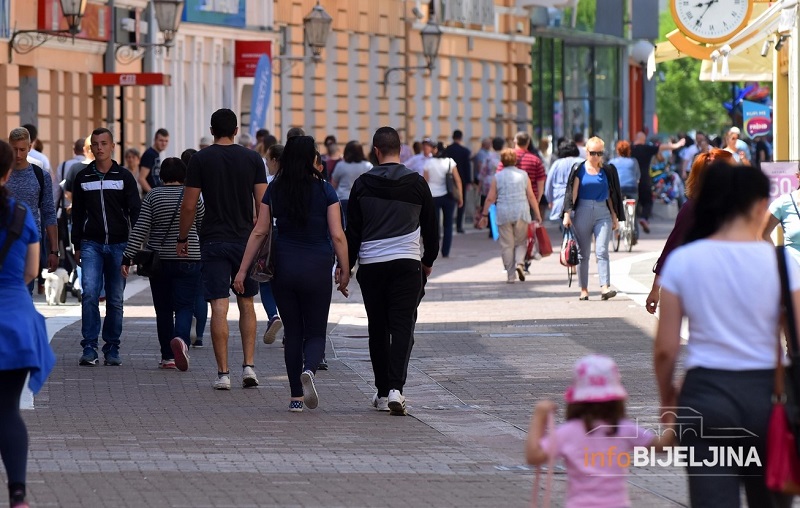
x: 105, y: 205
x: 390, y: 211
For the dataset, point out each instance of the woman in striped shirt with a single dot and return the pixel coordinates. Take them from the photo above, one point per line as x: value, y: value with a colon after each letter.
x: 175, y: 286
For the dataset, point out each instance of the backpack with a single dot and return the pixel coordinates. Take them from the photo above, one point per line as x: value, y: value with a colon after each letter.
x: 39, y: 172
x: 14, y: 231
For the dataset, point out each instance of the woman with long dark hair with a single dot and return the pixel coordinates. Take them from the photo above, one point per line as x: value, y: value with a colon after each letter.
x: 354, y: 165
x: 24, y: 348
x: 725, y: 280
x: 308, y: 218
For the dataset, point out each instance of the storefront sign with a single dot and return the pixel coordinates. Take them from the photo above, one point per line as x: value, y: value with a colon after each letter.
x: 215, y: 12
x: 262, y: 90
x: 95, y: 24
x: 470, y: 12
x: 782, y: 177
x: 248, y: 54
x: 130, y: 79
x: 757, y: 119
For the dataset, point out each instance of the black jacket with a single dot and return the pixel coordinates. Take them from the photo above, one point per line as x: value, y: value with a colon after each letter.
x: 387, y: 205
x: 104, y: 207
x: 614, y: 191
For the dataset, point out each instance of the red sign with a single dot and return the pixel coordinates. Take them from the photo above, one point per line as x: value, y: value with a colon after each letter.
x: 247, y: 55
x: 130, y: 79
x: 95, y: 24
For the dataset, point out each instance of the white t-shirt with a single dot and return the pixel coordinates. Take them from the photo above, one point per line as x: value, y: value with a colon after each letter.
x: 437, y: 169
x: 730, y: 291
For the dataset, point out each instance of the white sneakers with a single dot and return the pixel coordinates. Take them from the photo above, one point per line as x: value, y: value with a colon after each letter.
x: 223, y: 382
x: 396, y: 403
x: 380, y: 403
x: 310, y: 397
x: 249, y: 379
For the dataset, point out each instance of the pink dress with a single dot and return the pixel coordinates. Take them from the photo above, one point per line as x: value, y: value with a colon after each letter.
x: 597, y: 464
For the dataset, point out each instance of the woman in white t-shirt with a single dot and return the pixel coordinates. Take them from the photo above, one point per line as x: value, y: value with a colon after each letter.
x: 353, y: 166
x: 785, y: 210
x: 726, y: 282
x: 435, y: 173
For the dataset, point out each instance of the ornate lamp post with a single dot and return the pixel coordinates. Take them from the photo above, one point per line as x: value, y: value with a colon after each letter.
x: 25, y: 41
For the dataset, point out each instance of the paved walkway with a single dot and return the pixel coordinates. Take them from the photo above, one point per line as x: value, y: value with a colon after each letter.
x: 485, y: 352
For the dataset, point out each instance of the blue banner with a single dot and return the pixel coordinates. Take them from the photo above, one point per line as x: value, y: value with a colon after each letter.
x: 215, y: 12
x: 757, y: 118
x: 5, y: 31
x: 262, y: 91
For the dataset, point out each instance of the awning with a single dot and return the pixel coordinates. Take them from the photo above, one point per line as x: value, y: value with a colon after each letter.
x: 748, y: 65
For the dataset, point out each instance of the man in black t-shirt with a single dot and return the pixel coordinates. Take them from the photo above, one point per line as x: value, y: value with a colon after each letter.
x: 644, y: 153
x: 150, y: 163
x: 462, y: 157
x: 233, y: 180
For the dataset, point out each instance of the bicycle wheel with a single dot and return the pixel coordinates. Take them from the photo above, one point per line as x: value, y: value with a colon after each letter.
x: 629, y: 235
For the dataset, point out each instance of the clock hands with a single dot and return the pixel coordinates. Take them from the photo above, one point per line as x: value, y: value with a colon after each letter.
x: 708, y: 6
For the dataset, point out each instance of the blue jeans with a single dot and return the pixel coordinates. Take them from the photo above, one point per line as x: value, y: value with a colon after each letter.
x: 101, y: 267
x: 268, y: 299
x: 174, y: 292
x: 200, y: 310
x: 446, y: 205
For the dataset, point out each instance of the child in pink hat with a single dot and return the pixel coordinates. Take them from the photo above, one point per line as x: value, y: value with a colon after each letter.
x: 597, y: 440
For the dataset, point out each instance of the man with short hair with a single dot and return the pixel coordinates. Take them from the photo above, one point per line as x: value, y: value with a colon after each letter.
x: 35, y: 156
x: 461, y: 155
x: 580, y: 141
x: 644, y: 152
x: 294, y: 132
x: 390, y: 211
x: 32, y: 185
x: 529, y: 163
x: 417, y: 162
x: 105, y: 206
x: 233, y: 180
x: 150, y: 163
x: 63, y: 169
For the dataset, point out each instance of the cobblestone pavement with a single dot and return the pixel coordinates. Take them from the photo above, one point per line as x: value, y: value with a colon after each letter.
x: 485, y: 352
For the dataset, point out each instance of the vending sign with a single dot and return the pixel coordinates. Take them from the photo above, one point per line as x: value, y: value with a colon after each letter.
x: 757, y: 119
x: 248, y: 54
x: 782, y: 177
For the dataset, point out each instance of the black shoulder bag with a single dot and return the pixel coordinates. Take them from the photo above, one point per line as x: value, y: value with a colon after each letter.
x: 148, y: 261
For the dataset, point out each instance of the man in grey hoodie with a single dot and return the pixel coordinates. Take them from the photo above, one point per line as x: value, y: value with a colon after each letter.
x: 390, y: 212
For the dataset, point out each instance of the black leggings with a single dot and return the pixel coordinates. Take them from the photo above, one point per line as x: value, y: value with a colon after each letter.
x: 13, y: 434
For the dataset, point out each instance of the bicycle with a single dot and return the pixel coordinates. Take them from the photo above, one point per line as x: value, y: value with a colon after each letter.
x: 626, y: 232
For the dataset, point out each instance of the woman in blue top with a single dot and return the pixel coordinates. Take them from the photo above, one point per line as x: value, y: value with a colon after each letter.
x: 309, y: 221
x: 629, y: 176
x: 24, y: 348
x: 593, y: 193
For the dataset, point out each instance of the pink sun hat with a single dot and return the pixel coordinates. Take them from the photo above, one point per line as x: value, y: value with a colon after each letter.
x: 596, y: 379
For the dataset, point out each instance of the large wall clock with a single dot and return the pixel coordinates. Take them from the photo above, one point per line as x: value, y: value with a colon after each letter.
x: 711, y: 21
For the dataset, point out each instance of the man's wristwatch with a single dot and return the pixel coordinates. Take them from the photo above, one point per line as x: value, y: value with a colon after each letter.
x: 182, y: 240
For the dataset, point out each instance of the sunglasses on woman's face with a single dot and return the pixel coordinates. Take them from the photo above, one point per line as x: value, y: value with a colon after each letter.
x: 596, y: 154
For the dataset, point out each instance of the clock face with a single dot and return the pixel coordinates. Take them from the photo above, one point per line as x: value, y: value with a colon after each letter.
x: 711, y: 21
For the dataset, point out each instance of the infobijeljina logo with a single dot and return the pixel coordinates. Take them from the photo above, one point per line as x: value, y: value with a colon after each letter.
x: 688, y: 424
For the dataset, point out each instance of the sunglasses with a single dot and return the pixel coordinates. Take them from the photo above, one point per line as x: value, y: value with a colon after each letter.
x: 596, y: 154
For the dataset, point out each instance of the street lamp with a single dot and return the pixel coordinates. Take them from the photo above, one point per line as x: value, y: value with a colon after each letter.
x: 25, y: 41
x: 168, y: 17
x: 316, y: 30
x: 317, y: 27
x: 431, y: 35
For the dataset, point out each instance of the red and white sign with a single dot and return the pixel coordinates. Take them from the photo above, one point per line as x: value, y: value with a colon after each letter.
x: 130, y: 79
x: 782, y: 177
x: 247, y: 56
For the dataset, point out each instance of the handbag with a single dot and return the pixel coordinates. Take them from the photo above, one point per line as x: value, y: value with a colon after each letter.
x: 148, y: 261
x: 543, y: 241
x: 263, y: 269
x: 569, y: 253
x: 450, y: 183
x: 782, y: 470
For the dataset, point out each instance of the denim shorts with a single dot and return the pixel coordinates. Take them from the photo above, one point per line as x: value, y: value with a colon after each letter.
x: 221, y: 262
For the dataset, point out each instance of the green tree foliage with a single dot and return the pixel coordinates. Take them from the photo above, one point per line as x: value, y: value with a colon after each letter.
x: 683, y: 102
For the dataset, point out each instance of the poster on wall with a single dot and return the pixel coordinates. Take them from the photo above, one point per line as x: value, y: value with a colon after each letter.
x: 262, y: 90
x: 757, y: 119
x: 782, y: 177
x: 215, y: 12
